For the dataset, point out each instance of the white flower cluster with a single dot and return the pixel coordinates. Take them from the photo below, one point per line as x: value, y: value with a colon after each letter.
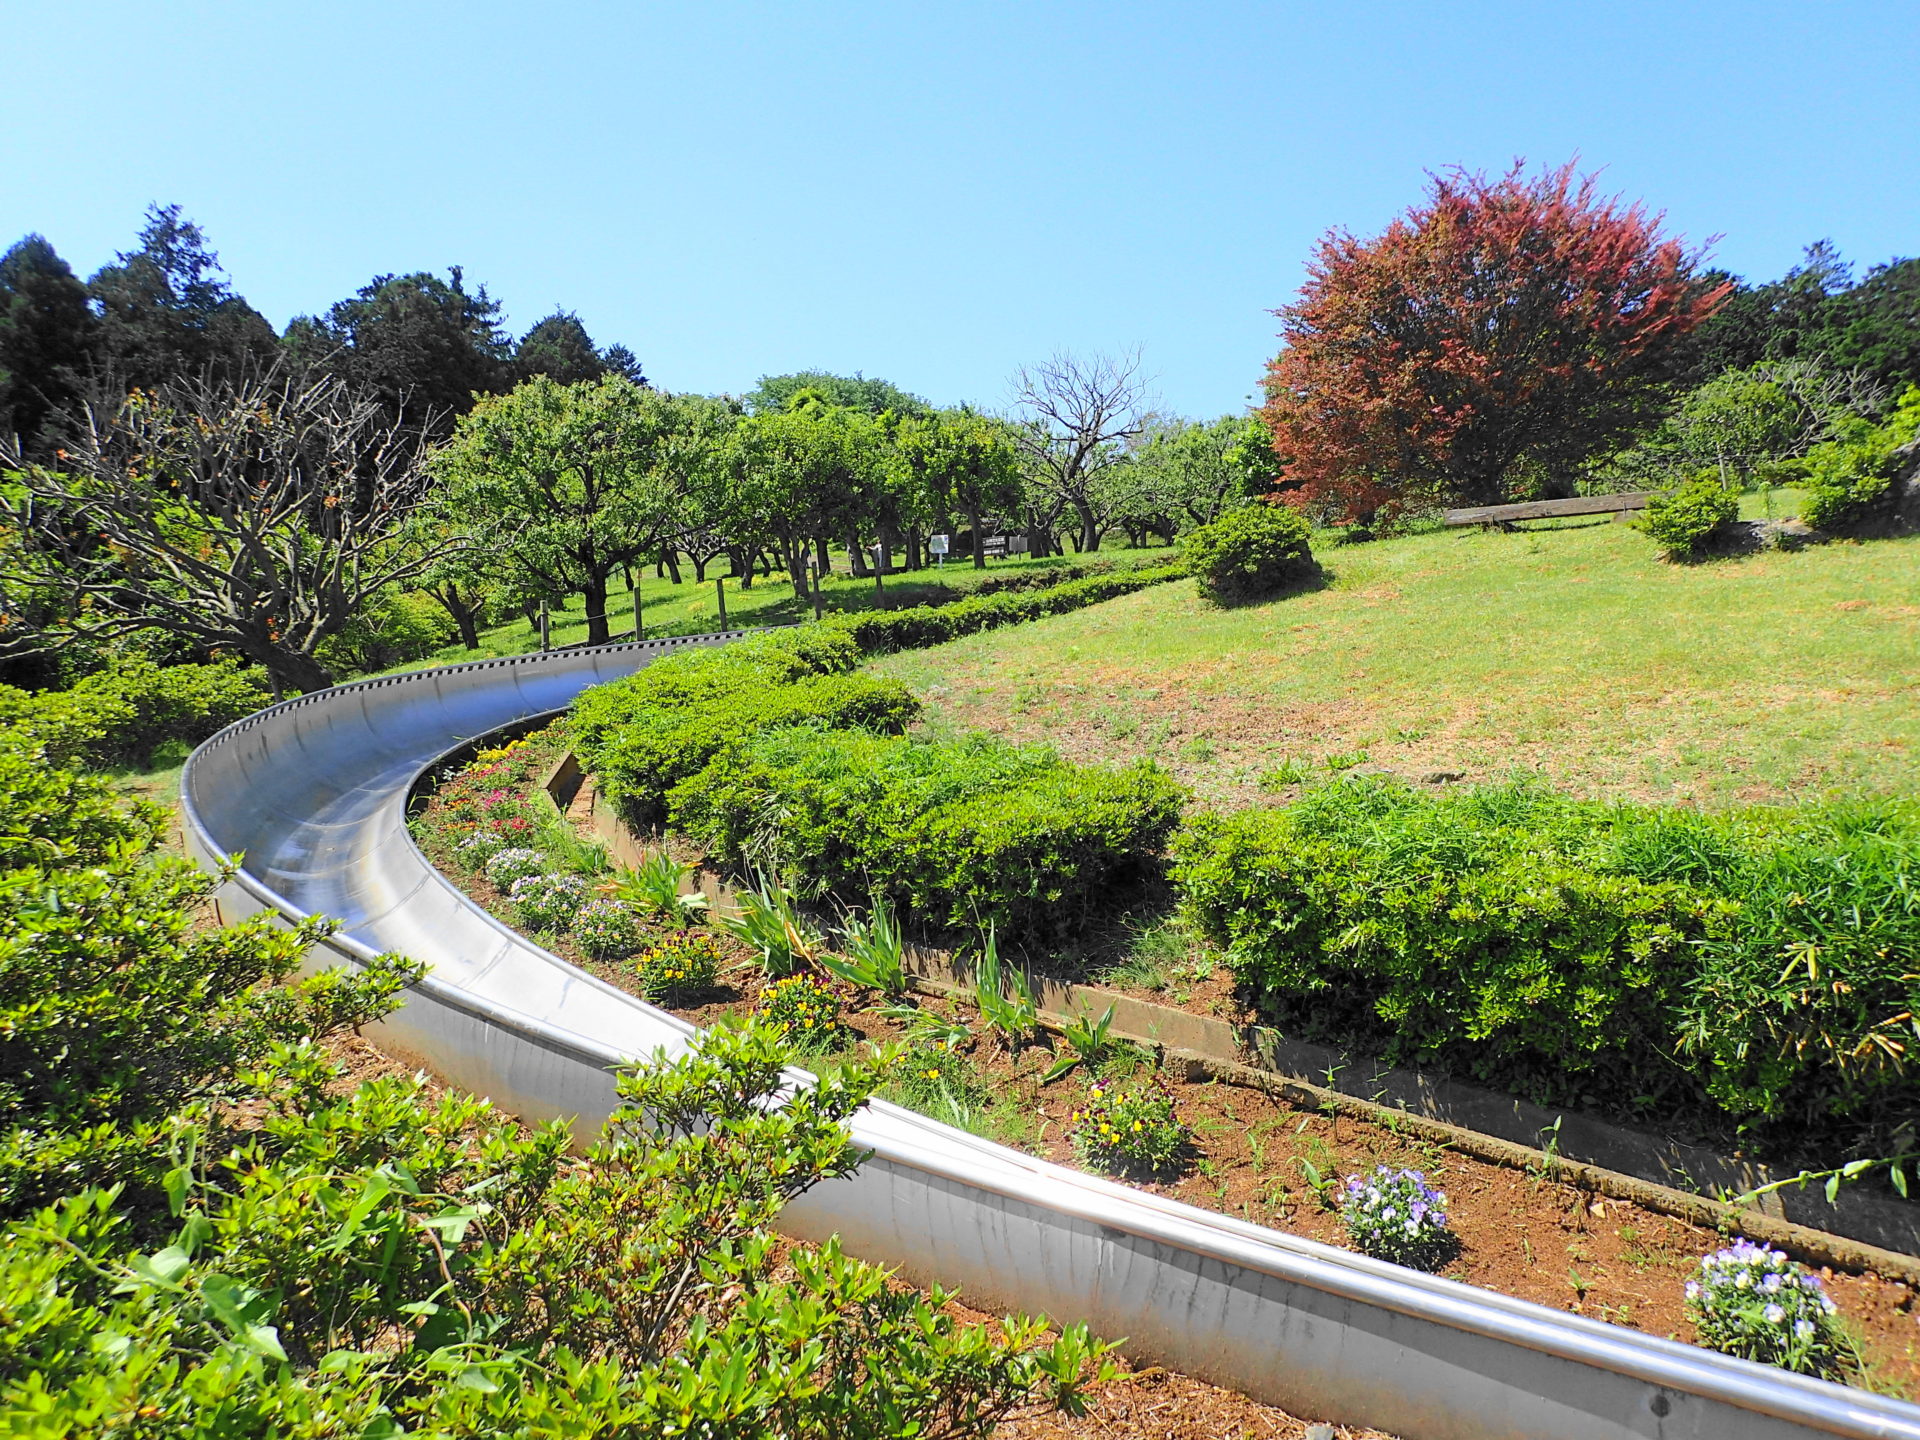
x: 1395, y: 1215
x: 1753, y: 1302
x: 517, y: 863
x: 547, y: 902
x: 480, y: 847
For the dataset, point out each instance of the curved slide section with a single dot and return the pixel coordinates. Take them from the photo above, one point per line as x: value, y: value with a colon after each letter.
x: 312, y: 793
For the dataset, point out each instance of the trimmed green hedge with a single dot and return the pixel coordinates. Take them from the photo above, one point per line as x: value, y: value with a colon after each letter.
x: 645, y: 734
x: 122, y: 716
x: 1760, y: 961
x: 955, y: 833
x: 774, y: 753
x: 883, y: 632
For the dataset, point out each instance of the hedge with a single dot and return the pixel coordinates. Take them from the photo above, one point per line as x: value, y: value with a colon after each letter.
x: 124, y: 715
x: 774, y: 753
x: 956, y: 834
x: 1758, y: 962
x: 883, y: 632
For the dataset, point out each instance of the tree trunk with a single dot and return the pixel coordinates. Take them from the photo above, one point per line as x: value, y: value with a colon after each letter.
x: 857, y: 558
x: 1089, y: 527
x: 292, y: 670
x: 595, y: 594
x: 822, y: 554
x: 463, y: 614
x: 796, y: 562
x: 979, y: 541
x: 672, y: 557
x: 700, y: 568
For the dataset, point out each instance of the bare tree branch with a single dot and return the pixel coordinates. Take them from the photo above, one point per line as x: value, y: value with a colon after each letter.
x: 1078, y: 413
x: 258, y: 513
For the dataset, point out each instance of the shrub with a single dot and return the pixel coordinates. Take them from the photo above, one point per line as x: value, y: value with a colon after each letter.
x: 804, y: 1010
x: 1395, y: 1215
x: 1570, y: 948
x: 380, y: 1263
x: 1686, y: 522
x: 1249, y: 554
x: 477, y: 849
x: 1447, y: 928
x: 118, y: 1005
x: 512, y: 865
x: 123, y: 715
x: 605, y: 929
x: 1753, y: 1302
x: 1131, y: 1129
x: 547, y: 902
x: 883, y: 632
x: 959, y: 833
x: 677, y: 969
x: 875, y: 954
x: 655, y: 729
x: 395, y: 627
x: 1862, y: 480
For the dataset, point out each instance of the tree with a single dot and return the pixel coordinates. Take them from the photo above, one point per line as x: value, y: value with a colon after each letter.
x: 167, y: 311
x: 560, y: 349
x: 564, y: 484
x: 1200, y: 470
x: 1079, y: 411
x: 775, y: 393
x: 1875, y: 326
x: 1776, y: 409
x: 1485, y: 346
x: 804, y: 476
x: 423, y: 346
x: 258, y: 514
x: 46, y: 337
x: 961, y: 461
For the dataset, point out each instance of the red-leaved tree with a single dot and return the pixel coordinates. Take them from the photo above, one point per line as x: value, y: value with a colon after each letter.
x: 1493, y: 340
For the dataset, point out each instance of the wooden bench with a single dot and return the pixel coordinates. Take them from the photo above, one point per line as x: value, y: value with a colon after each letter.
x: 1619, y: 506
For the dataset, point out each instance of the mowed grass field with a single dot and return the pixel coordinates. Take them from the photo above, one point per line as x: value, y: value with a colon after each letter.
x: 1571, y: 653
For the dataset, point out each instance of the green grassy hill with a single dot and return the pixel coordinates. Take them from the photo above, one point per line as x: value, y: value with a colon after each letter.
x: 1570, y: 652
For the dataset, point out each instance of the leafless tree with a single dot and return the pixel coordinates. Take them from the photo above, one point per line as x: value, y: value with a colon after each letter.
x: 257, y: 513
x: 1077, y: 412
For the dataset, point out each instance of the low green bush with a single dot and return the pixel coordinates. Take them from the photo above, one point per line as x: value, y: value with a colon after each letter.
x: 395, y: 627
x: 883, y: 632
x: 1250, y: 553
x: 1687, y: 521
x: 124, y: 715
x: 118, y: 1005
x: 1757, y: 962
x: 1862, y: 482
x: 645, y: 734
x: 956, y: 834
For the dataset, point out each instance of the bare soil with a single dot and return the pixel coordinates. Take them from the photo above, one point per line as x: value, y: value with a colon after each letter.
x: 1256, y: 1157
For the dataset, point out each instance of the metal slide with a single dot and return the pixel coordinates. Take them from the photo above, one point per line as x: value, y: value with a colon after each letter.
x: 313, y: 793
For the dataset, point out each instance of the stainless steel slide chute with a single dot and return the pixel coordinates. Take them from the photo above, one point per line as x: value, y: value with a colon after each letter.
x: 312, y: 795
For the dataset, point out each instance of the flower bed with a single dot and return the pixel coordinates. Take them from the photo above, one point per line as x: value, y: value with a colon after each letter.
x: 1240, y: 1151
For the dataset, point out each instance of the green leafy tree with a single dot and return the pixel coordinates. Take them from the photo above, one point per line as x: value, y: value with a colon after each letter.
x: 564, y: 484
x: 46, y: 337
x: 560, y: 348
x: 166, y: 309
x: 803, y: 476
x: 960, y: 462
x: 870, y: 395
x: 423, y: 346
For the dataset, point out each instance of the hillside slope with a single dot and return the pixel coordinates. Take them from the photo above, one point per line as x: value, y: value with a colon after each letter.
x: 1570, y: 652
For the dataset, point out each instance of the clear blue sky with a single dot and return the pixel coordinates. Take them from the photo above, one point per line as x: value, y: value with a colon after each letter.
x: 933, y: 193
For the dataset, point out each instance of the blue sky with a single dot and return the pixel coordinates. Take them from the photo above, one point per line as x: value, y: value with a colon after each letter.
x: 931, y: 193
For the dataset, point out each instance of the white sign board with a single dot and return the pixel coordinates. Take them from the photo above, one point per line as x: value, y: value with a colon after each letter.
x: 936, y: 545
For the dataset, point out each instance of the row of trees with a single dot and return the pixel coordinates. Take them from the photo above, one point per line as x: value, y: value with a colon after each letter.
x: 166, y: 310
x: 269, y: 509
x: 1506, y: 337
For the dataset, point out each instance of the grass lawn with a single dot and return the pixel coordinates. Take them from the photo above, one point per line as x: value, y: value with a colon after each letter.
x: 1569, y: 652
x: 692, y: 608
